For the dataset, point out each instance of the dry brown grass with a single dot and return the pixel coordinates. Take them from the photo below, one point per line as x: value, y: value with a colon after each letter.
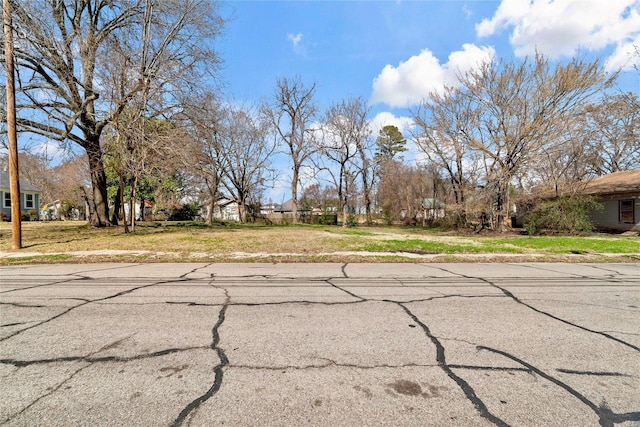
x: 50, y: 241
x: 53, y: 237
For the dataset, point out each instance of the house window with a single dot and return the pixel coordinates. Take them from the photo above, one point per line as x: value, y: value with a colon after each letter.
x: 7, y: 200
x: 625, y: 211
x: 29, y: 201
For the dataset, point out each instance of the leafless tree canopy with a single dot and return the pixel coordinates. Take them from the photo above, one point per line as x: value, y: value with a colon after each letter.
x: 290, y: 112
x: 613, y: 138
x: 82, y: 62
x: 345, y: 132
x: 501, y: 119
x: 244, y: 155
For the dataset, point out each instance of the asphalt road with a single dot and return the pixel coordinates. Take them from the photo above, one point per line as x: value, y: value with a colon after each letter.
x: 320, y: 344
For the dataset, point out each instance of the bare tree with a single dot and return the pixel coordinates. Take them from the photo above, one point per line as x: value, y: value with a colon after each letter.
x: 520, y: 108
x: 561, y: 165
x: 66, y: 51
x: 203, y: 121
x: 613, y: 128
x: 138, y: 145
x: 442, y: 121
x: 361, y: 134
x: 291, y: 112
x: 244, y: 153
x: 507, y: 113
x: 344, y: 133
x: 402, y: 191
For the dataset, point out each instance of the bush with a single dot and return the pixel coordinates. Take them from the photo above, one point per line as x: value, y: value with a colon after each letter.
x: 454, y: 219
x: 328, y: 218
x: 568, y: 215
x: 188, y: 212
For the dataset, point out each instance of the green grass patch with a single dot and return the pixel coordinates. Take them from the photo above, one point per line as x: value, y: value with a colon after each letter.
x: 572, y: 244
x: 417, y: 246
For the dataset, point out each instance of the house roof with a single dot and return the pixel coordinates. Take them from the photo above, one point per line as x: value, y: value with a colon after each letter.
x: 285, y: 207
x: 430, y: 203
x: 613, y: 183
x: 24, y: 185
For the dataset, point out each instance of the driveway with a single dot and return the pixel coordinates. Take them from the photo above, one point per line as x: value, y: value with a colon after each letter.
x: 320, y: 344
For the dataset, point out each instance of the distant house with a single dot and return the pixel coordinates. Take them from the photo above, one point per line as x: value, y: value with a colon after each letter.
x: 285, y: 207
x: 619, y: 192
x: 29, y: 196
x: 226, y: 210
x: 432, y: 208
x: 269, y: 208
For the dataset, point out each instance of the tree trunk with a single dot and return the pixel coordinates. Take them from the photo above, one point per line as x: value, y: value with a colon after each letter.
x: 367, y: 196
x: 122, y: 204
x: 242, y: 212
x: 142, y: 217
x: 134, y: 193
x: 344, y: 213
x: 100, y: 205
x: 116, y: 207
x: 294, y: 193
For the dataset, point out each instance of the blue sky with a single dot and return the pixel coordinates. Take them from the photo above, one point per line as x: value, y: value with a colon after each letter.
x: 393, y: 53
x: 345, y: 46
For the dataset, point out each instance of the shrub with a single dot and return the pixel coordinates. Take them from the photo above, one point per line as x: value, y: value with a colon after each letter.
x: 30, y: 215
x: 187, y: 212
x: 569, y: 215
x: 328, y: 218
x: 454, y: 219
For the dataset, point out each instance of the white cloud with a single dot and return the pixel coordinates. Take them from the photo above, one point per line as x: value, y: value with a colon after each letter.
x: 296, y: 39
x: 468, y: 12
x: 562, y: 27
x: 412, y: 81
x: 404, y: 124
x: 52, y: 150
x: 625, y: 57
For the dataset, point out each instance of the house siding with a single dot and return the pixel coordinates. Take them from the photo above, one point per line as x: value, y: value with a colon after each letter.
x: 23, y: 201
x: 609, y: 219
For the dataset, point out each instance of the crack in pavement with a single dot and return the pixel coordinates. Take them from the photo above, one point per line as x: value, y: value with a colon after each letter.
x: 329, y: 363
x: 593, y: 373
x: 490, y: 368
x: 623, y: 333
x: 344, y: 270
x: 581, y: 304
x: 54, y: 389
x: 73, y: 277
x: 15, y: 304
x: 86, y: 303
x: 104, y: 359
x: 462, y: 384
x: 607, y: 418
x: 346, y: 291
x: 192, y: 407
x: 519, y: 301
x: 6, y: 325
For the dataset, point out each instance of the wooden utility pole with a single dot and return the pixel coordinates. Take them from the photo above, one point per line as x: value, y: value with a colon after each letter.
x: 14, y: 181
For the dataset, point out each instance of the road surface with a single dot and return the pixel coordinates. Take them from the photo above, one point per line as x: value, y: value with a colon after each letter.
x: 320, y: 344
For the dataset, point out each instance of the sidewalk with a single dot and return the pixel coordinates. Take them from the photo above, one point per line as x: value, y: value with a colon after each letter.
x: 142, y: 255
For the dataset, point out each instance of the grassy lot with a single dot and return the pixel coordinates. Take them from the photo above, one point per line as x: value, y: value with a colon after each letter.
x: 181, y: 241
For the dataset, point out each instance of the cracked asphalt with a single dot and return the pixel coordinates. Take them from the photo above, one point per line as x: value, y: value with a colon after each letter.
x: 204, y: 344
